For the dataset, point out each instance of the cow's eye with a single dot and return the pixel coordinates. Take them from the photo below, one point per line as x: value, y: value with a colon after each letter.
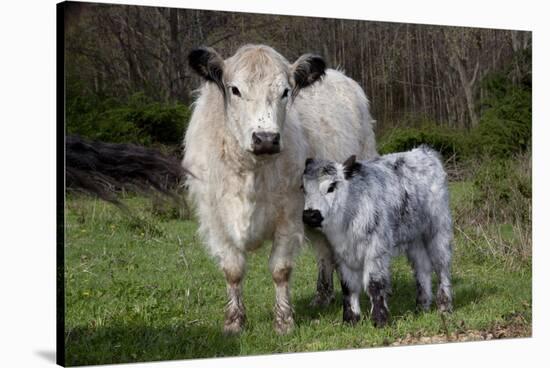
x: 331, y: 188
x: 302, y: 188
x: 285, y: 93
x: 235, y: 91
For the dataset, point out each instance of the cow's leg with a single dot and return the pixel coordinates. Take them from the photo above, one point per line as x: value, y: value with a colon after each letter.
x: 422, y: 266
x: 233, y: 265
x: 285, y: 245
x: 351, y: 291
x: 440, y: 250
x: 325, y: 264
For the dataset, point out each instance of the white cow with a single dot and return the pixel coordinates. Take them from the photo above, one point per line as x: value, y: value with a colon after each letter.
x: 255, y: 121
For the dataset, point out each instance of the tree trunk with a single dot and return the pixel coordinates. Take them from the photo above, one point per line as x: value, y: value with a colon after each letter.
x: 468, y: 85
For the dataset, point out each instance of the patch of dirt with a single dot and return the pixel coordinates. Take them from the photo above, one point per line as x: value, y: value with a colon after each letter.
x: 516, y: 326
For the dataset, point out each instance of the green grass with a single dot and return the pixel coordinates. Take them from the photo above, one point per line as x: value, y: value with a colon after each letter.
x: 143, y: 288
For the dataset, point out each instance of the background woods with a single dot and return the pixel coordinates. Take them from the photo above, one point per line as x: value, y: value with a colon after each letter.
x: 136, y: 57
x: 135, y: 279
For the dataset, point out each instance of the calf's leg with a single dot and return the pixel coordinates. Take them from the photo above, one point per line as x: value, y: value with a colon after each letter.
x: 324, y: 294
x: 377, y: 291
x: 440, y: 251
x: 422, y: 266
x: 377, y: 283
x: 351, y: 289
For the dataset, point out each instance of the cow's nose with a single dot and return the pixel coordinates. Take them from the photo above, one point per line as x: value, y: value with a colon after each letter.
x: 266, y: 143
x: 312, y: 218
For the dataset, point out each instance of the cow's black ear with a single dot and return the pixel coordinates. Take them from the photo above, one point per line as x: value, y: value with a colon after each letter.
x: 351, y: 167
x: 208, y: 64
x: 307, y: 70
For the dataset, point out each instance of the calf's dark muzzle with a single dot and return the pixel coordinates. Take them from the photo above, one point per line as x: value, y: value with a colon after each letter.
x: 312, y: 218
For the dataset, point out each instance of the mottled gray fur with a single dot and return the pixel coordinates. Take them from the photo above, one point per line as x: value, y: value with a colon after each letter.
x: 373, y: 210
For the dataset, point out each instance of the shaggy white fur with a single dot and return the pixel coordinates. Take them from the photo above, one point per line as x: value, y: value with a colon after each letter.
x: 371, y: 211
x: 242, y: 198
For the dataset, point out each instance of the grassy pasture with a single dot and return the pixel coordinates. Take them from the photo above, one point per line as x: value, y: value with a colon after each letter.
x: 141, y: 287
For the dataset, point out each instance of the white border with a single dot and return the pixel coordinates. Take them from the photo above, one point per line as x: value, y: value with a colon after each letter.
x: 27, y: 153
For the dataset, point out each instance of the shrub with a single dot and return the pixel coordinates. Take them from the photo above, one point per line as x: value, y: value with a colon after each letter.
x: 492, y: 213
x: 503, y: 189
x: 447, y: 141
x: 504, y: 129
x: 137, y: 120
x: 505, y: 125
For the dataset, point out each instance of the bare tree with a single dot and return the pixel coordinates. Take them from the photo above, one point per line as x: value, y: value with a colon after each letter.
x: 409, y: 71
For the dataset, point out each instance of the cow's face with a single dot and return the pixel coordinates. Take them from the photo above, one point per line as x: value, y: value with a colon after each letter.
x: 257, y: 84
x: 324, y: 186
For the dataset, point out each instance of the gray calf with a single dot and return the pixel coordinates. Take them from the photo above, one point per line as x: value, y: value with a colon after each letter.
x: 372, y: 210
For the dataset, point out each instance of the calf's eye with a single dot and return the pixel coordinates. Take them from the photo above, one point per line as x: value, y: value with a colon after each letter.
x: 285, y: 93
x: 235, y: 91
x: 331, y: 188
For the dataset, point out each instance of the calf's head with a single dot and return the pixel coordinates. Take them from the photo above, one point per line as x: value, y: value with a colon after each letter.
x: 256, y: 84
x: 324, y: 185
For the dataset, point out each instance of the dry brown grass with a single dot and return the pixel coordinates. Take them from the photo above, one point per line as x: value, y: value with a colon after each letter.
x: 493, y: 208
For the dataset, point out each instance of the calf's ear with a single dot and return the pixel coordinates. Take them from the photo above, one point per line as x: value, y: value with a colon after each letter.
x: 207, y: 63
x: 309, y: 161
x: 351, y: 167
x: 307, y: 70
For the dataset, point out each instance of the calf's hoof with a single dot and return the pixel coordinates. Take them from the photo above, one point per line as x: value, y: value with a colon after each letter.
x: 444, y: 303
x: 422, y: 307
x: 380, y: 317
x: 351, y: 318
x: 321, y: 300
x: 379, y: 323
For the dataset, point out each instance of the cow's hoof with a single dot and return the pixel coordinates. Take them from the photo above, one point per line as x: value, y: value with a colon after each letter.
x: 233, y: 328
x: 234, y: 322
x: 321, y: 300
x: 284, y: 326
